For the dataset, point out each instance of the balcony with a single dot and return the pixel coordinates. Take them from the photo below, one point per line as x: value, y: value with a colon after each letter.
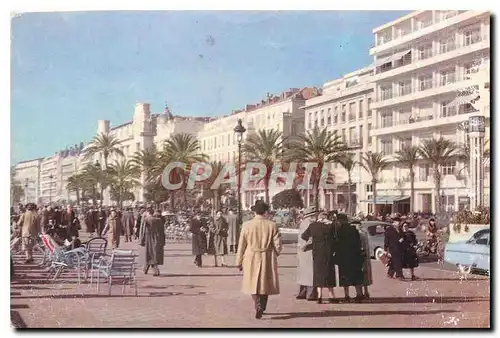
x: 432, y: 58
x: 352, y: 117
x: 426, y: 27
x: 355, y: 143
x: 451, y: 82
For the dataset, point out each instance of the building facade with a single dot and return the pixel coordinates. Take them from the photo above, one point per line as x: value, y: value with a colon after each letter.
x: 344, y: 109
x: 27, y: 173
x: 281, y: 112
x: 424, y: 82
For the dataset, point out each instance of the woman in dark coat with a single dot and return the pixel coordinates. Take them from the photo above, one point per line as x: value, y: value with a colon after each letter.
x: 349, y: 258
x: 219, y: 230
x: 410, y: 258
x: 321, y: 234
x: 199, y: 242
x: 153, y: 239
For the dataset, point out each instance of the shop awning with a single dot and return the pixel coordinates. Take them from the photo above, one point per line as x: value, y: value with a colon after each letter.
x: 386, y: 199
x: 391, y: 58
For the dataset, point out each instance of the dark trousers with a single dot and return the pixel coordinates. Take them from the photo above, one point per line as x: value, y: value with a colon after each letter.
x: 395, y: 266
x: 197, y: 260
x: 308, y: 292
x: 260, y: 302
x: 100, y: 228
x: 233, y: 248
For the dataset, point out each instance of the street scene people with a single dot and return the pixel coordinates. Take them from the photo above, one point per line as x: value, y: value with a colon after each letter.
x: 358, y: 188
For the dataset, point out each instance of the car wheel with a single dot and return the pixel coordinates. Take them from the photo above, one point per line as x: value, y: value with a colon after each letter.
x: 374, y: 251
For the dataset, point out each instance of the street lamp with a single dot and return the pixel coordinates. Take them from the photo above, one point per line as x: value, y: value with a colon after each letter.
x: 239, y: 130
x: 26, y: 191
x: 50, y: 188
x: 443, y: 197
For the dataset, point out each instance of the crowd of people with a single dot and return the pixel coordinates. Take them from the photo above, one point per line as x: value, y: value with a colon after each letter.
x: 333, y: 249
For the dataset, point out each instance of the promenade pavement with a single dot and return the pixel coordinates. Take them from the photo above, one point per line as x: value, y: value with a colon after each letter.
x: 185, y: 296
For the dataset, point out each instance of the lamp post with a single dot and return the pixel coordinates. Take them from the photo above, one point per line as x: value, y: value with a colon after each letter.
x: 50, y: 188
x: 26, y: 191
x: 443, y: 197
x: 239, y: 130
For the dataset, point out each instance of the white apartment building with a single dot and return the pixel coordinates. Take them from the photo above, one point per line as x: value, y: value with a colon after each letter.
x: 28, y: 176
x: 344, y: 109
x: 424, y: 62
x: 143, y: 131
x: 279, y: 112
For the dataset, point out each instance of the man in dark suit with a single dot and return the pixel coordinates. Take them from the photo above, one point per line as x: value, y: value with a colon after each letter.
x: 199, y: 245
x: 101, y: 220
x: 392, y: 244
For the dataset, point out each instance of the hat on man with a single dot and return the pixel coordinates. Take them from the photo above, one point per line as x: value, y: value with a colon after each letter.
x: 310, y: 211
x: 256, y: 203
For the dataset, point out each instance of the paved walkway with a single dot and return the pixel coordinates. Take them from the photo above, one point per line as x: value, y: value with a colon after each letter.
x: 187, y: 296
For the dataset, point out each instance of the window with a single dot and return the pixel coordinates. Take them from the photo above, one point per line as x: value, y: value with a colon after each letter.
x: 470, y: 69
x: 404, y: 116
x: 447, y: 110
x: 351, y: 82
x: 404, y: 88
x: 309, y: 121
x: 481, y: 237
x: 352, y: 135
x: 368, y: 188
x: 424, y: 52
x: 215, y: 142
x: 342, y: 118
x: 369, y: 136
x: 344, y: 135
x: 386, y: 147
x: 137, y: 146
x: 466, y: 108
x: 360, y: 110
x: 471, y: 37
x: 335, y: 119
x: 386, y: 119
x: 228, y: 139
x: 352, y: 111
x: 322, y: 118
x: 446, y: 77
x: 448, y: 168
x: 424, y: 82
x: 369, y: 107
x: 385, y: 93
x: 447, y: 45
x: 329, y: 117
x: 405, y: 143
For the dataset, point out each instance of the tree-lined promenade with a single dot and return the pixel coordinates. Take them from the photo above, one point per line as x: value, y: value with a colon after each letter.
x: 310, y: 153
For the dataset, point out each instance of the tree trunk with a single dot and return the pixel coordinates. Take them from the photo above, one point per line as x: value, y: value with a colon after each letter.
x: 349, y: 197
x: 437, y: 182
x: 412, y: 190
x: 374, y: 188
x: 266, y: 188
x: 77, y: 196
x: 172, y: 200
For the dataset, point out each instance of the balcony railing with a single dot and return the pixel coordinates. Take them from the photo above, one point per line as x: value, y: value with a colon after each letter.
x: 355, y: 143
x: 428, y: 53
x: 386, y: 123
x: 441, y: 81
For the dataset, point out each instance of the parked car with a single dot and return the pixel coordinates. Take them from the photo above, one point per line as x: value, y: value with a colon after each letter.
x: 474, y: 253
x: 376, y: 234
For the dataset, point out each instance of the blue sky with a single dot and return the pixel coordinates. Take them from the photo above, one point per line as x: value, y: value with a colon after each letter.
x: 71, y: 69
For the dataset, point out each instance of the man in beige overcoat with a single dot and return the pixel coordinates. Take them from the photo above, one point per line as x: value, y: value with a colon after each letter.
x: 258, y: 250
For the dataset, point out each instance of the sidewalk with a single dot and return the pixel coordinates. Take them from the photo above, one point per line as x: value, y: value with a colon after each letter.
x: 187, y: 296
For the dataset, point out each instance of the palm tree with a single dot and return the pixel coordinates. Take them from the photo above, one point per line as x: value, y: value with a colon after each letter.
x: 75, y: 183
x: 94, y: 178
x: 463, y: 154
x: 438, y: 152
x: 374, y: 163
x: 146, y: 159
x: 408, y: 157
x: 264, y: 147
x: 348, y: 163
x: 123, y: 177
x: 106, y: 144
x: 218, y: 191
x: 317, y: 146
x: 184, y: 148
